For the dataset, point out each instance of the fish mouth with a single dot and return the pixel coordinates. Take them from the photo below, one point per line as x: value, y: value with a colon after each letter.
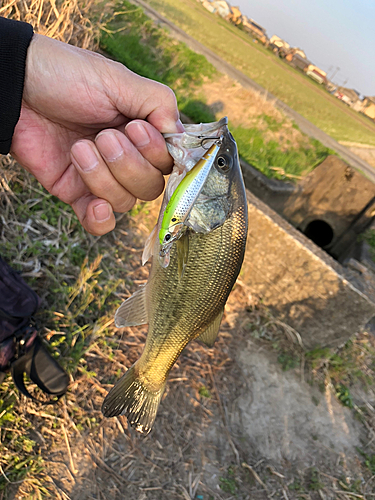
x: 165, y: 254
x: 199, y: 129
x: 194, y: 133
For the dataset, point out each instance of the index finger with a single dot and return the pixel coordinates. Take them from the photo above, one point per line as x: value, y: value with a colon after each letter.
x: 149, y: 100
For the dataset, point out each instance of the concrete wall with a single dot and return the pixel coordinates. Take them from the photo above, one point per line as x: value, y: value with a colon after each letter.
x: 332, y: 193
x: 303, y: 285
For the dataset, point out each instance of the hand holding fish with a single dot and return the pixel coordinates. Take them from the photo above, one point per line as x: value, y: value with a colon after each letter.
x: 91, y: 131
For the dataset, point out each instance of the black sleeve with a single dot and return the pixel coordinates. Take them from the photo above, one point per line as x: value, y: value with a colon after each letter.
x: 15, y: 38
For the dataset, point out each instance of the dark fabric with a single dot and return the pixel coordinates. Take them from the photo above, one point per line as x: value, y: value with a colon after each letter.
x: 42, y: 369
x: 21, y: 349
x: 18, y: 303
x: 15, y: 38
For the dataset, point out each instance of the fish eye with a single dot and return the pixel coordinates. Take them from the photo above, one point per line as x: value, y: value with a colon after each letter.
x: 224, y: 162
x: 173, y: 219
x: 167, y: 237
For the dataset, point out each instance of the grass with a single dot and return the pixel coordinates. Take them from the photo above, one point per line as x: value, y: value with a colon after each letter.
x: 133, y: 39
x: 151, y: 52
x: 275, y: 161
x: 291, y: 86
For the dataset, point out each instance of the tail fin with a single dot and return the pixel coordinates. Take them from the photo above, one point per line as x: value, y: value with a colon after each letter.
x: 131, y: 398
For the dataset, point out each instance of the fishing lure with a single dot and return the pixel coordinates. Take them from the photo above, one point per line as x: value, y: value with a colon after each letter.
x: 184, y: 197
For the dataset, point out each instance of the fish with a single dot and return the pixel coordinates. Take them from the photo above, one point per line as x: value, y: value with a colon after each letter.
x: 192, y: 273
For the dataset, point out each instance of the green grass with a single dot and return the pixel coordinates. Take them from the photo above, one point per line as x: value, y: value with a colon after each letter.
x: 291, y: 86
x: 264, y: 155
x: 149, y: 51
x: 133, y: 39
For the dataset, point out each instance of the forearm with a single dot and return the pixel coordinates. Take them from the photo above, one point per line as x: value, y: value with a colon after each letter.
x: 14, y: 41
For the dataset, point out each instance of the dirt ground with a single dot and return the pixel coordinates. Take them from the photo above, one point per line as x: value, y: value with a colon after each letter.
x: 234, y: 423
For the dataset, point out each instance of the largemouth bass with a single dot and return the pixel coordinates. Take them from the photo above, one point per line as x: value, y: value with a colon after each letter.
x: 192, y: 275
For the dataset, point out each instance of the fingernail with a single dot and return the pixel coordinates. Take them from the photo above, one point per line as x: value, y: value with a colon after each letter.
x: 102, y: 212
x: 179, y: 126
x: 109, y: 146
x: 83, y: 156
x: 137, y: 134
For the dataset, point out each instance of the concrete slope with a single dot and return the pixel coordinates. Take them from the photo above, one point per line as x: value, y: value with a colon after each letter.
x: 305, y: 125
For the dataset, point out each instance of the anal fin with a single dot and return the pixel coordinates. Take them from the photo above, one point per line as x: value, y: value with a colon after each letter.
x: 208, y: 337
x: 133, y: 311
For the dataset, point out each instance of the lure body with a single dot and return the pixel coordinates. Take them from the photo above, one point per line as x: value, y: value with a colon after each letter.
x: 184, y: 197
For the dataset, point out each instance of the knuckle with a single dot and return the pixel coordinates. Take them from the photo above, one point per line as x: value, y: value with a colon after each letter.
x: 169, y: 96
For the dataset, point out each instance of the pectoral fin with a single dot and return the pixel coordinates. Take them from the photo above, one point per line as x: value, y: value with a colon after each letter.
x: 149, y: 245
x: 133, y: 311
x: 182, y: 254
x: 208, y: 337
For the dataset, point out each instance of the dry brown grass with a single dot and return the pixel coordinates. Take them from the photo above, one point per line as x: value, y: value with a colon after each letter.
x: 66, y: 20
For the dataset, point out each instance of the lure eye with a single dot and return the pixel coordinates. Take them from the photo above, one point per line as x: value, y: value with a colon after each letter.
x: 224, y: 163
x: 167, y: 237
x: 174, y: 219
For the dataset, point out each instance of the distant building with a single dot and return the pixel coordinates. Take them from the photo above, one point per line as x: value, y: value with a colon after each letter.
x: 293, y: 52
x: 277, y: 42
x: 221, y: 7
x: 331, y: 87
x: 208, y: 5
x: 349, y: 96
x: 235, y: 15
x: 299, y: 62
x: 368, y: 107
x: 254, y: 29
x: 316, y: 74
x: 299, y: 52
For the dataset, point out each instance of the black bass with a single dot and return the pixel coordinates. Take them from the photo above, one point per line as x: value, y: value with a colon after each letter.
x: 193, y: 269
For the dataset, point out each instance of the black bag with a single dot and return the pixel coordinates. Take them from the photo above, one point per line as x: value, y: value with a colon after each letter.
x: 21, y: 349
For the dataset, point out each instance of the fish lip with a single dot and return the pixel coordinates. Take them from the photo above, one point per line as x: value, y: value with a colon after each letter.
x: 166, y: 248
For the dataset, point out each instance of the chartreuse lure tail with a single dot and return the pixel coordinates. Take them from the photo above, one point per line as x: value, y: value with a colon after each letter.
x: 184, y: 197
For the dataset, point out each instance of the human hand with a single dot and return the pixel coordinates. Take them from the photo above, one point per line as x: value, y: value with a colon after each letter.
x: 90, y: 131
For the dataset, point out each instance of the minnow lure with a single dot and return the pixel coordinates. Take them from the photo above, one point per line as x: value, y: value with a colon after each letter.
x: 184, y: 197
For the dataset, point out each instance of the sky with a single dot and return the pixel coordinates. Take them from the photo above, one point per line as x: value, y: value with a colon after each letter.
x: 333, y: 33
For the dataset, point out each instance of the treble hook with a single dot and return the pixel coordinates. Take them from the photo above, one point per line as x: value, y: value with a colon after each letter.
x: 218, y: 140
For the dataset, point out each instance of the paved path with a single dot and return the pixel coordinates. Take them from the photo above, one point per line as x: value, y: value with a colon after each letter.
x: 305, y: 125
